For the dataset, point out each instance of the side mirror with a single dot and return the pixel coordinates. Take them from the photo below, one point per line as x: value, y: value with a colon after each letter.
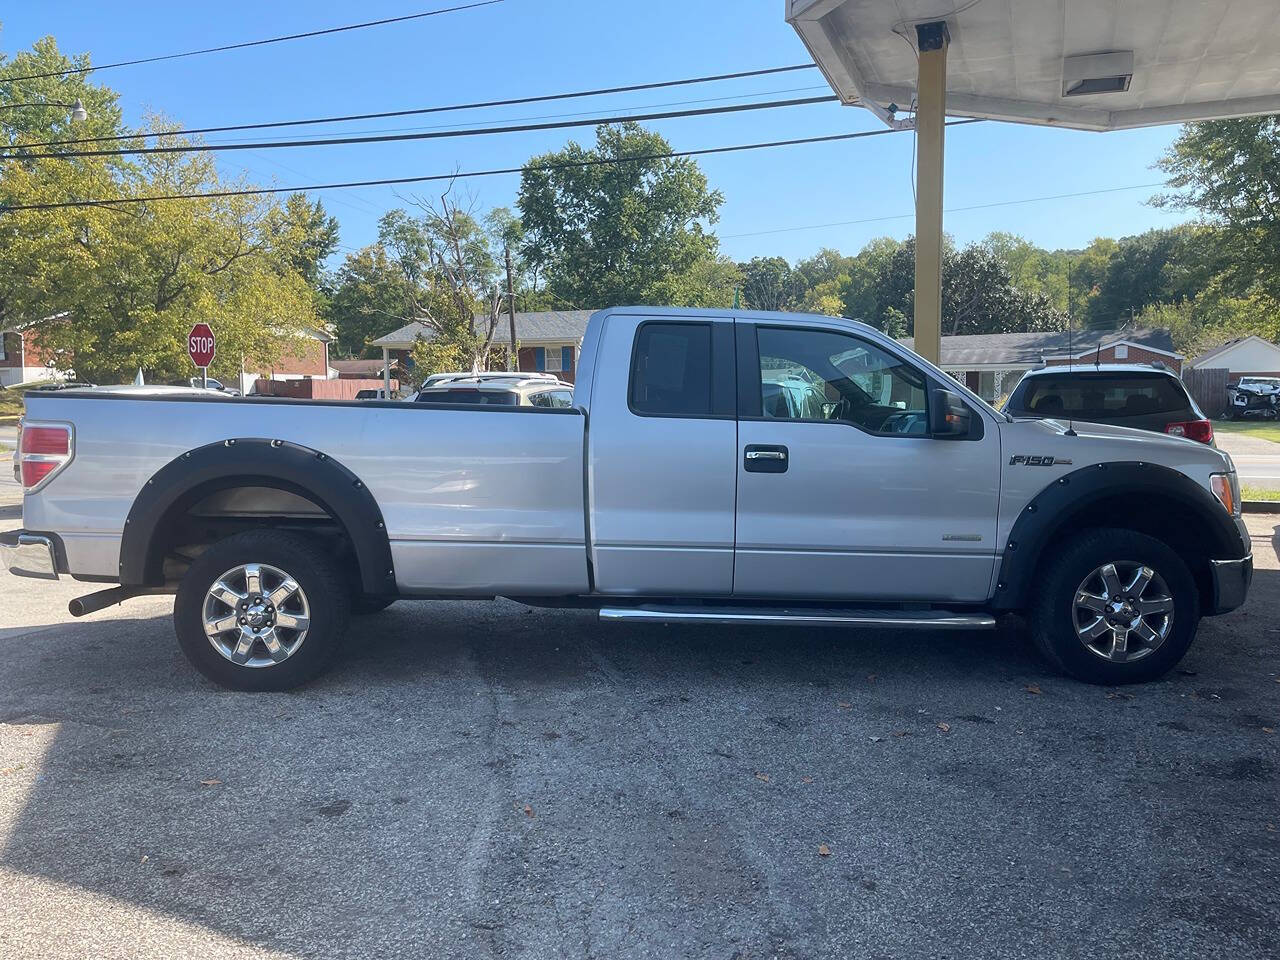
x: 949, y: 416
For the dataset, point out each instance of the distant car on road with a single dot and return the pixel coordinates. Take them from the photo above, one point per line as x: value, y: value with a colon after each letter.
x: 510, y: 390
x: 371, y: 394
x: 1126, y: 395
x: 213, y: 384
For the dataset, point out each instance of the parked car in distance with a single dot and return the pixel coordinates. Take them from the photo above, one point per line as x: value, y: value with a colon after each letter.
x: 378, y: 394
x: 1126, y: 395
x: 213, y: 384
x: 509, y: 390
x: 1253, y: 396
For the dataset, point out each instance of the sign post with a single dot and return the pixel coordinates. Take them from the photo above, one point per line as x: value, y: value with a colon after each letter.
x: 202, y: 347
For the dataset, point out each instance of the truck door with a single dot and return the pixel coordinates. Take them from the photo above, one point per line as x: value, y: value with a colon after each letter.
x: 842, y: 492
x: 661, y: 449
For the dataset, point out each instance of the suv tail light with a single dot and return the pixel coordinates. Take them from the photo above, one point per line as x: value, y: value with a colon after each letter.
x: 1200, y: 430
x: 43, y: 450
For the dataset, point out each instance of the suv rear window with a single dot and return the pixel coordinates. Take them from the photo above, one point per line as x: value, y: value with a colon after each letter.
x: 1091, y: 397
x: 502, y: 398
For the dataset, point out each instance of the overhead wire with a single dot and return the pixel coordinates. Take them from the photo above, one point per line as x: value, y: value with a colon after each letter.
x: 75, y: 71
x: 419, y: 111
x: 429, y: 135
x: 976, y: 206
x: 463, y: 175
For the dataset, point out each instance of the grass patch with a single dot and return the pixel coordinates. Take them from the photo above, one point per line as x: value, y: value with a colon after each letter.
x: 1259, y: 493
x: 1262, y: 429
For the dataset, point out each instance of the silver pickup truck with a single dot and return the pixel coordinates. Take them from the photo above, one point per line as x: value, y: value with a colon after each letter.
x: 716, y: 467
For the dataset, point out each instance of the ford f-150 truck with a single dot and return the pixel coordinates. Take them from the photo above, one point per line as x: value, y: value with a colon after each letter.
x: 716, y: 467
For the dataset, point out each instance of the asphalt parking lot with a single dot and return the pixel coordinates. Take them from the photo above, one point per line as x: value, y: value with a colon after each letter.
x: 483, y: 779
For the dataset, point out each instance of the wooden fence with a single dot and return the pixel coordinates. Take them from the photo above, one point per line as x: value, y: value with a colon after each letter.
x: 1208, y: 388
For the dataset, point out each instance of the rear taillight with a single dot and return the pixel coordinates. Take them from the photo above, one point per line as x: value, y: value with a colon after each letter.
x: 43, y: 450
x: 1198, y: 430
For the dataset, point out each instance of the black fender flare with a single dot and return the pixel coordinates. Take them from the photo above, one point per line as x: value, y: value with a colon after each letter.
x: 1053, y: 508
x: 184, y: 481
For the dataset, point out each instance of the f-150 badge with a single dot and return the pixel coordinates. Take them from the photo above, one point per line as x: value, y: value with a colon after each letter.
x: 1019, y: 459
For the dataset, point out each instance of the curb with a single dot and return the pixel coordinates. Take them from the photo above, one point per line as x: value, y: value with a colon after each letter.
x: 1260, y: 506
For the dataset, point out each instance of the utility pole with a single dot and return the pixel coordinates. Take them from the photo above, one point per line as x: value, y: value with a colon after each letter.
x: 514, y: 356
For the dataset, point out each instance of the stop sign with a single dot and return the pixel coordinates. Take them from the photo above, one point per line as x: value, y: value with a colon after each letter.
x: 200, y: 345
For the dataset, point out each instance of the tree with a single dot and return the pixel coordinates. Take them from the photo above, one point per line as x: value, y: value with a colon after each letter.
x: 1159, y: 266
x: 620, y: 223
x: 127, y: 282
x: 768, y: 284
x: 1229, y: 170
x: 368, y: 299
x: 304, y: 235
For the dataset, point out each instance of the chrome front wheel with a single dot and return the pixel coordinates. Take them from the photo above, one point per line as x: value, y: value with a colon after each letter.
x: 1122, y: 611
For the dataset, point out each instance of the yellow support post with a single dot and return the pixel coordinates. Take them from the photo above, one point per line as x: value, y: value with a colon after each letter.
x: 931, y: 112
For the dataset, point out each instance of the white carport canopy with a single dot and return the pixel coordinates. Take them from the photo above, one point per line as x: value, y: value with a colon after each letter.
x: 1008, y: 59
x: 1084, y: 64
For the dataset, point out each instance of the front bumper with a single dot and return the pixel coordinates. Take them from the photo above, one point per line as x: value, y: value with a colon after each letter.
x: 1231, y: 579
x: 28, y: 555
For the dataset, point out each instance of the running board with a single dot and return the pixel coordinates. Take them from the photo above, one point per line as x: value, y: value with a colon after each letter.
x: 801, y: 616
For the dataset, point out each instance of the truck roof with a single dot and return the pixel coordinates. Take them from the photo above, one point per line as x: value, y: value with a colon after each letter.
x: 722, y: 313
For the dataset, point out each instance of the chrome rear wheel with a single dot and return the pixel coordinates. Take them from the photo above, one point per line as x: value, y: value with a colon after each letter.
x: 256, y: 615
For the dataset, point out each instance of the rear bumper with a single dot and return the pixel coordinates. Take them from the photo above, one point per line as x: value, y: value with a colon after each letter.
x: 29, y: 555
x: 1231, y: 579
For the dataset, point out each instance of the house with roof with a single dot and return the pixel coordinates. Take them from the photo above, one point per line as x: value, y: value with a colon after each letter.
x: 548, y: 340
x: 23, y: 359
x: 990, y: 364
x: 1250, y: 356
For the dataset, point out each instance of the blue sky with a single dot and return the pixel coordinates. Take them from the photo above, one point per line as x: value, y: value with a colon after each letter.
x: 528, y: 47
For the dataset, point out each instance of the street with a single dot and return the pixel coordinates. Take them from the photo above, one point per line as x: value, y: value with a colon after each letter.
x: 484, y: 779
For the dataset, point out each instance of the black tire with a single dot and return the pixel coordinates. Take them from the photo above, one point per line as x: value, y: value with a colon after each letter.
x: 1061, y: 575
x: 321, y: 582
x: 363, y: 605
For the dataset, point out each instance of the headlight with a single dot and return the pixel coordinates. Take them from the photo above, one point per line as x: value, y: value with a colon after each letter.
x: 1226, y: 487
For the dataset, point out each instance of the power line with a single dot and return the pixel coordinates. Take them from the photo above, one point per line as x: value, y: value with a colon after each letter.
x: 515, y: 101
x: 976, y: 206
x: 254, y: 43
x: 430, y: 135
x: 461, y: 175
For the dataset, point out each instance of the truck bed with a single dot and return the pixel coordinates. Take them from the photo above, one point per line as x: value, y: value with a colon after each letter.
x: 475, y: 500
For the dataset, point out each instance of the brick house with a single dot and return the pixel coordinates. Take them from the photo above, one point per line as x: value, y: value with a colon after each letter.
x: 308, y: 360
x: 991, y: 364
x: 549, y: 340
x: 22, y: 359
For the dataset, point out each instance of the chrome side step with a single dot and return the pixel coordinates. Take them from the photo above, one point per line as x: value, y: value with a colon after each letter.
x: 800, y: 616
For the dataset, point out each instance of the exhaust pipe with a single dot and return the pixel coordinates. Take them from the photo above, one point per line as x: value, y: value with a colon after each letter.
x: 94, y: 602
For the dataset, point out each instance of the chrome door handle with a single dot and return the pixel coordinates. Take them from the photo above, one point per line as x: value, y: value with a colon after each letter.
x: 765, y: 458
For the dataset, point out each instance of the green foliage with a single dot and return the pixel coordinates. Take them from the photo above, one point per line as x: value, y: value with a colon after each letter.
x: 368, y: 300
x: 303, y: 235
x: 606, y: 232
x: 1229, y: 170
x: 128, y: 282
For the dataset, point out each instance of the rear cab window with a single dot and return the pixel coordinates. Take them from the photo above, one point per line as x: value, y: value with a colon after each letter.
x: 671, y: 370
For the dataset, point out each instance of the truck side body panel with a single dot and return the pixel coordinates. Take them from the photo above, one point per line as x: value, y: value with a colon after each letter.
x: 474, y: 501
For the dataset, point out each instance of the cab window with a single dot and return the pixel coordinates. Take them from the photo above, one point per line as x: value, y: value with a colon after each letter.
x: 825, y: 375
x: 671, y: 370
